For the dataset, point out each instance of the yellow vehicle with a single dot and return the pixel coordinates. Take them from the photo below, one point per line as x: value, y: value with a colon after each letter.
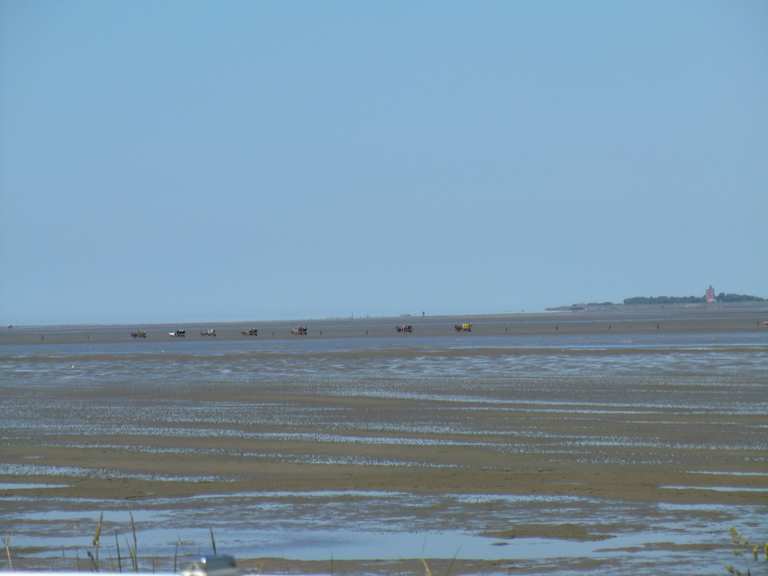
x: 463, y: 327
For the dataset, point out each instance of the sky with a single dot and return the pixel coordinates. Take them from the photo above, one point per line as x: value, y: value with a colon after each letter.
x: 183, y: 160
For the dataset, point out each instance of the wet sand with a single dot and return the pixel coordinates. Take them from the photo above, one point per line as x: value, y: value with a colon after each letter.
x: 617, y: 430
x: 616, y: 319
x: 523, y: 450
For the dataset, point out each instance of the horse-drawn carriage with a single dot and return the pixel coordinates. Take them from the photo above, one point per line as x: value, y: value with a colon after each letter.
x: 250, y: 332
x: 178, y: 333
x: 138, y: 334
x: 463, y: 327
x: 299, y: 331
x: 405, y: 328
x: 208, y: 332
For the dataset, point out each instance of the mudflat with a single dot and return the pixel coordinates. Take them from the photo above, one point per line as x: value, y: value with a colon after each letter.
x: 613, y: 319
x: 579, y: 443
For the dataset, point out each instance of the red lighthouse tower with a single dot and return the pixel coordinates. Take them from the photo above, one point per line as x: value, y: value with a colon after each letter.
x: 710, y: 295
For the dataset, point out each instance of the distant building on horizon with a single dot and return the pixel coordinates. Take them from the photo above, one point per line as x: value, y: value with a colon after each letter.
x: 710, y: 295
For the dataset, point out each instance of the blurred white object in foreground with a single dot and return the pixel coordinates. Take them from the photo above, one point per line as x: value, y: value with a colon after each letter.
x: 222, y: 565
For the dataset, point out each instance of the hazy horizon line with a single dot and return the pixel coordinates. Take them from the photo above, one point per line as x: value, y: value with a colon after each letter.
x: 352, y: 317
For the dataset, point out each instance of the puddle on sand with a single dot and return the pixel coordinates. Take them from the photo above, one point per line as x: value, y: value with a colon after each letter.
x: 321, y: 545
x: 114, y: 517
x: 78, y: 472
x: 29, y: 486
x: 635, y: 554
x: 363, y: 525
x: 728, y: 473
x: 713, y: 488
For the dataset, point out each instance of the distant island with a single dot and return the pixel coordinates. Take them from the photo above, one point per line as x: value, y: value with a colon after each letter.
x: 708, y: 298
x: 722, y: 297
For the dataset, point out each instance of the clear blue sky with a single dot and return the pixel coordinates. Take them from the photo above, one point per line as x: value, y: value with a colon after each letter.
x: 169, y: 161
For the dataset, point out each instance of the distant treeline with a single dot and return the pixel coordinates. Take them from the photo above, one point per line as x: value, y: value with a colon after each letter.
x: 722, y: 297
x: 664, y: 300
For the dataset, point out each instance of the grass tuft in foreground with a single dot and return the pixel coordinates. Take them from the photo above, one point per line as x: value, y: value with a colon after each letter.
x: 743, y: 547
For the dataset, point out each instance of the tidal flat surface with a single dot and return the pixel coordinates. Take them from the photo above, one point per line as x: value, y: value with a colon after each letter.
x: 632, y: 453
